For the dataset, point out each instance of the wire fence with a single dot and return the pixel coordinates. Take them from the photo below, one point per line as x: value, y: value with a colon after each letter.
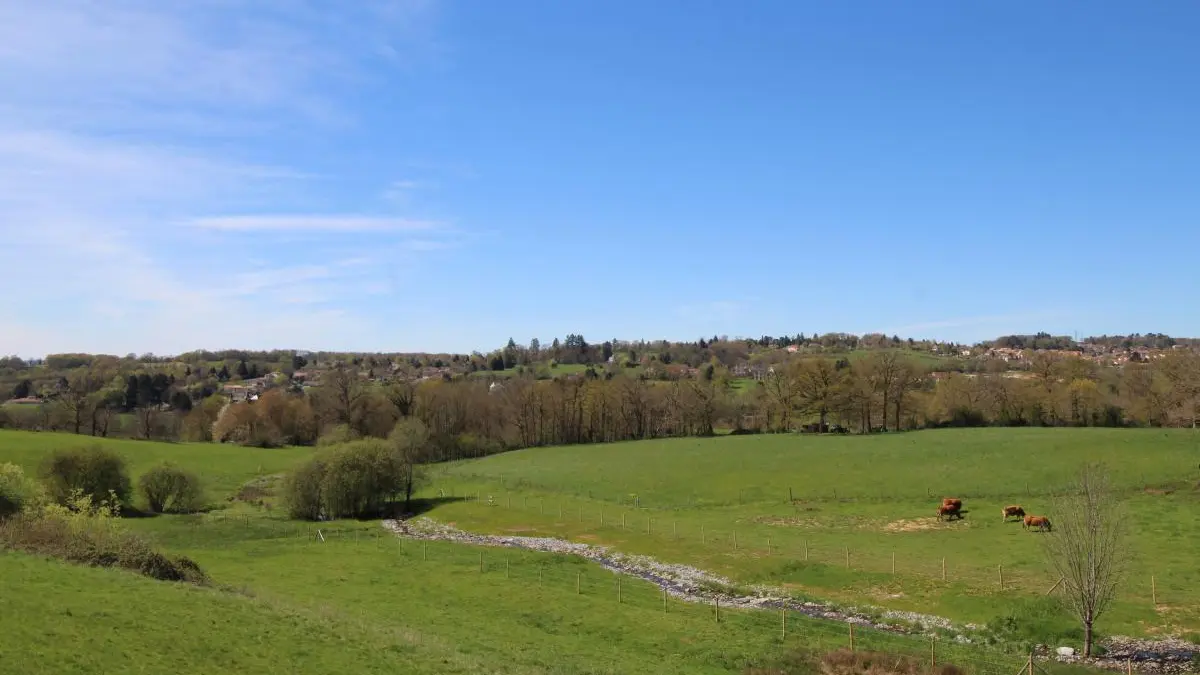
x: 787, y: 630
x: 1026, y: 577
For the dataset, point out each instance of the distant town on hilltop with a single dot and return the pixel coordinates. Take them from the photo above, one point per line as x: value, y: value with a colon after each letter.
x: 573, y: 390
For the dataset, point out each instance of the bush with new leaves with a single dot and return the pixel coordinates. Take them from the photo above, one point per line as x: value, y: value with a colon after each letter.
x: 17, y: 492
x: 87, y: 531
x: 170, y: 488
x: 352, y: 480
x: 93, y: 470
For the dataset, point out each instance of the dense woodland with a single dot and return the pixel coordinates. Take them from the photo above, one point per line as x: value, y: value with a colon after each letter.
x: 575, y: 392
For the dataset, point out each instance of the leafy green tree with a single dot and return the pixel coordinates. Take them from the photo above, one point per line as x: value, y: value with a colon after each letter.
x: 94, y: 471
x: 169, y: 488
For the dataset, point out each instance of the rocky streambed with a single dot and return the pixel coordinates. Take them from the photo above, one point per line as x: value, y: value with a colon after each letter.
x: 691, y: 584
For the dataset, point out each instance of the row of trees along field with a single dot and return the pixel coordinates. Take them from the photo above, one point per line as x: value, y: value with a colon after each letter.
x: 883, y: 390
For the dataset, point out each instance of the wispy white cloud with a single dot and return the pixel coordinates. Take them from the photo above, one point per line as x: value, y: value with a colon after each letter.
x: 127, y: 123
x: 313, y: 223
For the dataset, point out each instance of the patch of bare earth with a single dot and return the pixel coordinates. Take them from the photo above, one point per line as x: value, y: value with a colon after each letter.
x: 912, y: 525
x: 787, y: 522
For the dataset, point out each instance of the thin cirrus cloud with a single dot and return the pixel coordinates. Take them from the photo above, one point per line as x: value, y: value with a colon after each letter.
x: 129, y: 149
x: 314, y: 223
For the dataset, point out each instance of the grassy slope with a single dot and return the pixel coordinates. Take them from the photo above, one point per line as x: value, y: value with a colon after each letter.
x: 854, y: 493
x: 59, y: 618
x: 361, y: 605
x: 223, y: 467
x: 336, y: 606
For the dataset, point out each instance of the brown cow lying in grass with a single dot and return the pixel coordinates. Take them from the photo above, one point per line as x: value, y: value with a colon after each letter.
x: 1010, y: 511
x: 1042, y: 523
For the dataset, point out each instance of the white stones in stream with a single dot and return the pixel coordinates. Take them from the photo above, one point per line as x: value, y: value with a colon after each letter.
x: 696, y: 585
x: 681, y: 581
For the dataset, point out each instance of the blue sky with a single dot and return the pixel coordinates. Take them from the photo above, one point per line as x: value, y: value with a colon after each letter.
x: 445, y: 174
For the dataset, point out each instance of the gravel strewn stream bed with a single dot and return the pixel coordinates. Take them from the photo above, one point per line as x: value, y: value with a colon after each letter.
x: 695, y: 585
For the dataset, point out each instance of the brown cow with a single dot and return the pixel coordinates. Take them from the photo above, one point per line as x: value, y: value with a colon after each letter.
x: 950, y: 511
x: 1042, y: 523
x: 952, y: 502
x: 1014, y: 510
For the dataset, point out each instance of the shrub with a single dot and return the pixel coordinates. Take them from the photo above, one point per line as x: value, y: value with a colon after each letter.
x: 170, y: 488
x: 302, y: 490
x: 93, y: 470
x: 17, y: 492
x: 87, y: 531
x: 352, y: 480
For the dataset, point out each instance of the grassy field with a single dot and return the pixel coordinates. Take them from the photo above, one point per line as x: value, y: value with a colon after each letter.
x: 862, y: 498
x: 358, y: 602
x: 224, y: 468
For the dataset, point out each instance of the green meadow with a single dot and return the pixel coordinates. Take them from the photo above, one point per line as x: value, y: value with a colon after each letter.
x: 780, y: 510
x: 838, y: 512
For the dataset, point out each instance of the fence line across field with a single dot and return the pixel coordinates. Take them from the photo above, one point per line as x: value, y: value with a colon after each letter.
x: 538, y: 570
x: 783, y: 627
x: 809, y: 550
x: 855, y: 559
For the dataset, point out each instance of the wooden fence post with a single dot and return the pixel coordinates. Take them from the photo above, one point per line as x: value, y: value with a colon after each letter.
x: 735, y: 540
x: 717, y: 610
x: 622, y: 521
x: 481, y: 561
x: 943, y: 569
x: 933, y: 653
x: 851, y: 635
x: 702, y: 535
x: 424, y: 550
x: 674, y: 529
x: 1000, y: 571
x: 783, y: 623
x: 647, y: 526
x: 1153, y: 591
x: 847, y: 557
x: 618, y: 590
x: 507, y: 568
x: 664, y: 590
x: 768, y: 546
x: 578, y: 576
x: 1056, y: 584
x: 893, y: 563
x: 806, y: 550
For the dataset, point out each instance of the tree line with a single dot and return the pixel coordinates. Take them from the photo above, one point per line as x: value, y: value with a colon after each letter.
x: 876, y: 391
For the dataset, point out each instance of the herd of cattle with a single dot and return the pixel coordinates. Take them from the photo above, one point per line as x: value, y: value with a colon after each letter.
x: 952, y: 508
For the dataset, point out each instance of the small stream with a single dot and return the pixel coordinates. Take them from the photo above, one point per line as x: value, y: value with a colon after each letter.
x: 691, y: 584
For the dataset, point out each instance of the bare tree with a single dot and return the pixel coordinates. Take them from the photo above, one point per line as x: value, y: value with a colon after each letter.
x: 820, y: 386
x: 410, y: 447
x: 1087, y: 547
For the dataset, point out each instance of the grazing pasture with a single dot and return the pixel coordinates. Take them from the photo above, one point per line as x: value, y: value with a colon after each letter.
x: 841, y: 512
x: 284, y: 601
x: 223, y: 468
